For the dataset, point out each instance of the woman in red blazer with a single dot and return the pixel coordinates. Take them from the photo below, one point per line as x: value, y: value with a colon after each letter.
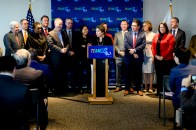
x: 163, y: 45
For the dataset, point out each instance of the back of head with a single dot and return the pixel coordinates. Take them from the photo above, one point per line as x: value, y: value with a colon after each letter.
x: 183, y: 55
x: 22, y: 57
x: 7, y: 64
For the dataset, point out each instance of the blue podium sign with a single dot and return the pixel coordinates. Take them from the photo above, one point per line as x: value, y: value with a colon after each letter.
x: 100, y: 52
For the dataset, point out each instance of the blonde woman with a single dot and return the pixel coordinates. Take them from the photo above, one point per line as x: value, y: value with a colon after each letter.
x: 148, y: 65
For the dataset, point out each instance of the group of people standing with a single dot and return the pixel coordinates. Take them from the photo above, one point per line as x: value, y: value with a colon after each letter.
x: 150, y: 53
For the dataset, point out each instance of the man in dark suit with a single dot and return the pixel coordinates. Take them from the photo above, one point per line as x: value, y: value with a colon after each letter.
x: 45, y: 25
x: 72, y: 58
x: 135, y: 42
x: 188, y: 102
x: 14, y: 97
x: 13, y: 40
x: 45, y: 31
x: 179, y: 34
x: 25, y: 34
x: 58, y: 43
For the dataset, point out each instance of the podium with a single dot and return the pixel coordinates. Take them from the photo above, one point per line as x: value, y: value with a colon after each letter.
x: 100, y: 56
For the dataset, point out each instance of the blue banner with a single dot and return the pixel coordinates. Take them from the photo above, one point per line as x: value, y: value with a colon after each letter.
x: 95, y: 12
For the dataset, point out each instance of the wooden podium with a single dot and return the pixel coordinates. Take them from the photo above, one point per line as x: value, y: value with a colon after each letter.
x: 100, y: 56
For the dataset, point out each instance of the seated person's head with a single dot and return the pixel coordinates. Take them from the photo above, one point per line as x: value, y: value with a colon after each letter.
x: 7, y: 64
x: 182, y: 55
x: 23, y: 58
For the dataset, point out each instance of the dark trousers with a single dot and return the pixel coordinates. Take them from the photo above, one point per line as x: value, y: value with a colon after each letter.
x: 162, y: 68
x: 60, y: 80
x: 133, y: 74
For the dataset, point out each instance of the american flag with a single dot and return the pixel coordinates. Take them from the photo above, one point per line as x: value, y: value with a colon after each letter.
x: 30, y: 19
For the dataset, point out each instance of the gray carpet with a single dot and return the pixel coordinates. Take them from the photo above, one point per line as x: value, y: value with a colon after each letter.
x: 132, y: 112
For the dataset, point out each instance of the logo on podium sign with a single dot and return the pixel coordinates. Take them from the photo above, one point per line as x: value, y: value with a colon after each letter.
x: 100, y: 52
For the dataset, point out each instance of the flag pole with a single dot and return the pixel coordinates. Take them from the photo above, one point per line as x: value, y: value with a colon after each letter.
x: 170, y: 6
x: 30, y: 5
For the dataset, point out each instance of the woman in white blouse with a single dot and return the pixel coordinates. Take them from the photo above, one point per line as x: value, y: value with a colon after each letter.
x: 148, y: 65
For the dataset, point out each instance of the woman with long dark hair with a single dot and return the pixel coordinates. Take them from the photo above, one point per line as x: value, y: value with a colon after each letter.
x: 163, y: 45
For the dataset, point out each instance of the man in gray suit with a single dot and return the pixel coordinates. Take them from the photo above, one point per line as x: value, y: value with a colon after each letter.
x: 59, y: 44
x: 179, y: 34
x: 13, y: 40
x: 120, y: 52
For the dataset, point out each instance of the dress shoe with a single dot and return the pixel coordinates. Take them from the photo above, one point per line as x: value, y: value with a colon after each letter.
x: 118, y: 89
x: 150, y: 91
x: 140, y: 93
x: 126, y: 93
x: 132, y: 90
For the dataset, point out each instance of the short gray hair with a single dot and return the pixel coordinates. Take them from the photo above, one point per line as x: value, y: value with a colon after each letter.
x: 22, y: 57
x: 13, y: 24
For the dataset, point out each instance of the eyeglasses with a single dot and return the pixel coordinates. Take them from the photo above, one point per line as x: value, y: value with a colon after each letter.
x: 39, y: 28
x: 134, y: 25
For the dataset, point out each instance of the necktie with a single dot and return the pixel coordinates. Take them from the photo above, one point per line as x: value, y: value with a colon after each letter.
x: 134, y: 40
x: 25, y: 37
x: 123, y: 34
x: 69, y: 35
x: 174, y: 31
x: 45, y: 32
x: 17, y: 40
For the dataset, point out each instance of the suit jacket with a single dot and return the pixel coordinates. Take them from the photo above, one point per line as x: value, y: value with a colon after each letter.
x: 119, y: 42
x: 43, y: 33
x: 189, y: 106
x: 140, y: 45
x: 28, y: 43
x: 73, y: 41
x: 39, y: 43
x: 11, y: 45
x: 55, y: 45
x: 31, y: 77
x: 167, y: 45
x: 176, y: 75
x: 14, y: 98
x: 180, y: 38
x: 192, y: 46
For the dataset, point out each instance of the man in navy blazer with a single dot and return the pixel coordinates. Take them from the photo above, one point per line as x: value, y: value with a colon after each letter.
x: 135, y: 42
x: 14, y: 97
x: 179, y: 34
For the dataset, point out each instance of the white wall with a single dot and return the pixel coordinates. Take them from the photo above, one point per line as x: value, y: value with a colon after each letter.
x: 153, y: 10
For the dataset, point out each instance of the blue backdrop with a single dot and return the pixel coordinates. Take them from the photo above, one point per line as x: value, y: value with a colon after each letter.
x: 95, y: 12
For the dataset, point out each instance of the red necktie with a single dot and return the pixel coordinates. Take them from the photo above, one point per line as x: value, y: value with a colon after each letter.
x: 134, y: 40
x: 46, y: 32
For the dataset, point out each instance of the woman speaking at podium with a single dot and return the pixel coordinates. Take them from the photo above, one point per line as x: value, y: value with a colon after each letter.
x: 101, y: 40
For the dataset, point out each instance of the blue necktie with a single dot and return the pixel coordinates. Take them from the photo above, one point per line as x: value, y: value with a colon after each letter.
x: 174, y: 33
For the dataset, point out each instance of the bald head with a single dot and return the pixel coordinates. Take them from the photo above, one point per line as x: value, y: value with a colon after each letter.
x: 58, y: 24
